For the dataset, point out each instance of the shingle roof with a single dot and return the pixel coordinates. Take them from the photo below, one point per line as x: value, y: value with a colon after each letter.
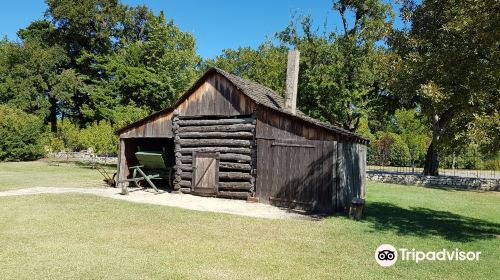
x: 260, y: 95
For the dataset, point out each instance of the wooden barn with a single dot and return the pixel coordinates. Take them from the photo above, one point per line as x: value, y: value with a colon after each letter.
x: 234, y: 138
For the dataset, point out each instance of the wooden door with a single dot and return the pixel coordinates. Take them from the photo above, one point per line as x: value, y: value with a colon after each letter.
x: 205, y: 173
x: 298, y: 174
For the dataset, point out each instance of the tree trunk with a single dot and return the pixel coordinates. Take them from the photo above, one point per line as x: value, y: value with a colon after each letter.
x: 431, y: 165
x: 53, y: 114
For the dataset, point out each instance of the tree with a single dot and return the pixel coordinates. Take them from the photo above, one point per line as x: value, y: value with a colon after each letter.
x: 344, y: 74
x: 34, y: 73
x: 149, y: 73
x: 265, y: 65
x: 21, y: 135
x: 449, y: 66
x: 409, y: 124
x: 90, y: 58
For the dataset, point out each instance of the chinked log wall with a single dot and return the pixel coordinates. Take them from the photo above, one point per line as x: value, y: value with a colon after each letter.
x: 233, y: 138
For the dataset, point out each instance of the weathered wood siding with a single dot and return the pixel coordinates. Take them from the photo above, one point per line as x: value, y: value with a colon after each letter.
x: 215, y: 97
x: 275, y: 125
x: 349, y: 159
x: 158, y: 126
x: 351, y: 173
x: 297, y: 174
x: 232, y: 138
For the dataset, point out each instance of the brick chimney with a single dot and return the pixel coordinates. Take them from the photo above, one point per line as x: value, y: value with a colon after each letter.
x: 292, y: 80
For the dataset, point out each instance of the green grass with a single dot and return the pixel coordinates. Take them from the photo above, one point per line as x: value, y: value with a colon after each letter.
x: 87, y: 237
x: 17, y: 175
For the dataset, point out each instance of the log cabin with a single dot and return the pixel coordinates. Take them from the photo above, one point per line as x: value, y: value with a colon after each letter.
x: 233, y: 138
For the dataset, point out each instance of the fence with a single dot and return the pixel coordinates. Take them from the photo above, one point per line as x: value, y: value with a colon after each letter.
x: 469, y: 164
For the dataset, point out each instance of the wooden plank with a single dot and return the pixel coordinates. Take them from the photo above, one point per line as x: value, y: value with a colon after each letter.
x: 209, y: 128
x: 210, y: 97
x: 334, y: 176
x: 235, y: 186
x: 232, y: 135
x: 222, y: 121
x: 234, y: 99
x: 122, y: 167
x: 236, y: 195
x: 235, y: 176
x: 341, y: 176
x: 186, y: 175
x: 158, y: 127
x: 363, y: 169
x: 225, y: 157
x: 328, y: 155
x: 276, y: 179
x: 246, y: 151
x: 185, y: 167
x: 215, y: 142
x: 185, y: 183
x: 261, y: 183
x: 292, y: 145
x: 235, y: 166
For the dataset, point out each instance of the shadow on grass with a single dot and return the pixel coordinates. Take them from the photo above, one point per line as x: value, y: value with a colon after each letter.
x: 422, y: 222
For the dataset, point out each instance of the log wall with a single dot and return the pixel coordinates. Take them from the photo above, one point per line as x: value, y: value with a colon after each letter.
x: 232, y: 137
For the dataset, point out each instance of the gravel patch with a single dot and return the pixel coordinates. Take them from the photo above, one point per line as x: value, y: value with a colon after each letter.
x: 185, y: 201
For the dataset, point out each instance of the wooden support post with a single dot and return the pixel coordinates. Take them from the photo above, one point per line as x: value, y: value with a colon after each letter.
x: 122, y: 168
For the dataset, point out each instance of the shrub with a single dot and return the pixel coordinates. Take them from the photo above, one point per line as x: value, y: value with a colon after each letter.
x: 493, y: 164
x: 100, y: 137
x: 21, y: 135
x: 54, y: 143
x: 390, y: 149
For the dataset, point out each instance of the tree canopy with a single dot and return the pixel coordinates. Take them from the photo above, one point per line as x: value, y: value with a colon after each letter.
x: 449, y: 66
x: 432, y: 87
x: 89, y: 59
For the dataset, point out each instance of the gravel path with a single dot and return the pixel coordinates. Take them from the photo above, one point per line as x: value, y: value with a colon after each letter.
x: 186, y: 201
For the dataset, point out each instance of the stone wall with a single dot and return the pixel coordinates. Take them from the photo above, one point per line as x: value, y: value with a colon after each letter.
x: 438, y: 181
x: 87, y: 156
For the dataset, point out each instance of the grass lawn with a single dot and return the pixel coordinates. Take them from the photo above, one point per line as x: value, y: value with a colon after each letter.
x: 75, y: 236
x: 17, y: 175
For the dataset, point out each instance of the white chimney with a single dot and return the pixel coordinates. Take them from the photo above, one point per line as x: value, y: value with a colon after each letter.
x: 292, y: 80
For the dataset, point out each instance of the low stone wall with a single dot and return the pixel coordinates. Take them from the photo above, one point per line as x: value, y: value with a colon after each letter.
x: 83, y: 156
x: 438, y: 181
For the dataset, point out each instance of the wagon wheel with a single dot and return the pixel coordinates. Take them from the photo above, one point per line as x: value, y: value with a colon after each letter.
x: 137, y: 183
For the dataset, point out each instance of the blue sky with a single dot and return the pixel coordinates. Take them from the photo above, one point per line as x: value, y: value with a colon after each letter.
x: 216, y: 24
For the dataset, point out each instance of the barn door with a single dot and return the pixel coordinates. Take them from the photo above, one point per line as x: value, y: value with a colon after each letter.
x: 298, y: 174
x: 205, y: 173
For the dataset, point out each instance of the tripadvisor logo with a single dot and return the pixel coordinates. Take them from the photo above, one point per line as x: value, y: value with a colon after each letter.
x: 386, y: 255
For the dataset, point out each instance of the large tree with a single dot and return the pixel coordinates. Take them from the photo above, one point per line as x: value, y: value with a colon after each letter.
x: 90, y: 60
x: 344, y: 73
x: 34, y: 74
x: 149, y: 70
x: 450, y: 66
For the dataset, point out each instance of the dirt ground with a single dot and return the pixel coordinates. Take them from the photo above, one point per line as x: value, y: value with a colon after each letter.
x: 186, y: 201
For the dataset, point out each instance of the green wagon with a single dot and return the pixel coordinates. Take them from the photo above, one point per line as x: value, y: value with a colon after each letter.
x: 152, y: 166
